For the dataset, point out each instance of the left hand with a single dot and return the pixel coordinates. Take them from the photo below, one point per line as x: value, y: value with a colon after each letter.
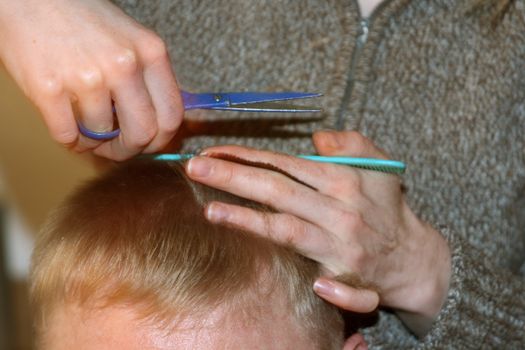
x: 353, y: 222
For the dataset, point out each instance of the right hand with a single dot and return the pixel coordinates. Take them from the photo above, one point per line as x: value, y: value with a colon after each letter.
x: 74, y: 58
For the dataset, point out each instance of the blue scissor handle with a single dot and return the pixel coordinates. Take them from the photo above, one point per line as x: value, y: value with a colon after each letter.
x: 220, y: 101
x: 191, y: 101
x: 97, y: 135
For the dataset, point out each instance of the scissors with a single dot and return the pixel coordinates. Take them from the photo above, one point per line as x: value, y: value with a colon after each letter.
x: 229, y: 101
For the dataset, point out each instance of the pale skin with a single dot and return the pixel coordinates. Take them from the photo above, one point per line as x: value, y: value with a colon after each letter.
x: 72, y: 58
x: 351, y: 222
x: 120, y: 327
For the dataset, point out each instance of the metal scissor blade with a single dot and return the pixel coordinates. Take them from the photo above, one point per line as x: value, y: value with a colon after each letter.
x: 269, y: 107
x: 239, y: 98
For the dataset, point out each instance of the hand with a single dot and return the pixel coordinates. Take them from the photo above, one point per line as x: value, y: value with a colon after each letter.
x: 73, y: 58
x: 353, y: 222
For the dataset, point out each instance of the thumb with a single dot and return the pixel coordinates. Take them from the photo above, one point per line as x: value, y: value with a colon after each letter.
x: 346, y: 143
x: 346, y: 297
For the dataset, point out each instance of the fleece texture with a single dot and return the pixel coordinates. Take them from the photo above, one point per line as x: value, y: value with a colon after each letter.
x: 435, y: 85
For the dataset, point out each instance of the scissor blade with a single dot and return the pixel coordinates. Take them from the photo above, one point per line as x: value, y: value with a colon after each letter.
x: 239, y: 98
x: 269, y: 107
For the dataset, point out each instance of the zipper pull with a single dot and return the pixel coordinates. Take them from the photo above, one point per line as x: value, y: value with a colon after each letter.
x: 363, y: 35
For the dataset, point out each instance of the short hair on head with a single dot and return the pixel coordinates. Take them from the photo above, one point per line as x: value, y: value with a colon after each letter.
x: 138, y: 235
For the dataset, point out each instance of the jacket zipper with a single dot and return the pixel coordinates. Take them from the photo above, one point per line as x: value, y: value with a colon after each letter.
x: 362, y: 37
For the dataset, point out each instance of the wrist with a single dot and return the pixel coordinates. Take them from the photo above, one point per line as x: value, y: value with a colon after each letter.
x: 427, y: 290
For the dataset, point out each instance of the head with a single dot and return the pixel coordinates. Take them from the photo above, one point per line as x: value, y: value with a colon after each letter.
x: 130, y: 262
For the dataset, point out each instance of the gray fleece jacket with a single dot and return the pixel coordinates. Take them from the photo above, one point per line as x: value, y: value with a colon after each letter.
x: 429, y: 81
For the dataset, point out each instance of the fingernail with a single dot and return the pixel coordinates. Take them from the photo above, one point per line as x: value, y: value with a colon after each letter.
x: 199, y: 167
x: 216, y: 213
x: 324, y: 287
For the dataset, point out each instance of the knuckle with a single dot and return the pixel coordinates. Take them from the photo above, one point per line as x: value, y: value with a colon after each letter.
x: 171, y: 127
x: 355, y: 135
x: 267, y: 221
x: 125, y: 62
x: 172, y: 122
x: 48, y: 87
x: 91, y: 78
x: 153, y: 48
x: 227, y: 176
x: 150, y: 132
x: 296, y: 232
x: 275, y: 188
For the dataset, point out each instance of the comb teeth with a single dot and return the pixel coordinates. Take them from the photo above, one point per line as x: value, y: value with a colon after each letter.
x: 382, y: 169
x: 169, y: 157
x: 380, y: 165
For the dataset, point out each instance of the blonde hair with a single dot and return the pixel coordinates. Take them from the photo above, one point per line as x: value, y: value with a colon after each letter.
x: 138, y: 235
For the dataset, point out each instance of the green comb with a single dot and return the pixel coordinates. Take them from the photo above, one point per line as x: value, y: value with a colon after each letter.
x: 382, y: 165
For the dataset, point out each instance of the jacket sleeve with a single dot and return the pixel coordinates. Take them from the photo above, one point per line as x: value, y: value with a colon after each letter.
x: 485, y: 307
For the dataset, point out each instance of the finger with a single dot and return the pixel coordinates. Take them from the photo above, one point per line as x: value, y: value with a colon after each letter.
x: 346, y: 143
x: 267, y: 187
x: 94, y: 109
x: 326, y: 178
x: 354, y: 144
x: 355, y: 342
x: 346, y: 297
x: 55, y: 106
x: 165, y: 95
x: 135, y: 112
x: 283, y: 229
